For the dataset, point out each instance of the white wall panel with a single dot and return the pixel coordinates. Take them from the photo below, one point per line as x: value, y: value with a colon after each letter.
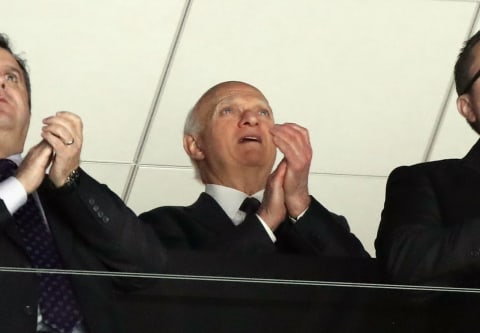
x: 163, y: 187
x: 113, y: 175
x: 366, y: 77
x: 358, y: 199
x: 100, y: 59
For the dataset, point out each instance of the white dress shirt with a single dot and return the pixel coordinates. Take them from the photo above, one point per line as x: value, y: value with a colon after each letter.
x: 231, y: 199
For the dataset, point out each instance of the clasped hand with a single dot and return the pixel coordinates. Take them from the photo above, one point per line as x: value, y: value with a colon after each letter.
x: 59, y: 149
x: 286, y: 191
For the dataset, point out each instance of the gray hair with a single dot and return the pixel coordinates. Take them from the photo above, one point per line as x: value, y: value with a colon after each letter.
x: 192, y: 123
x: 193, y: 127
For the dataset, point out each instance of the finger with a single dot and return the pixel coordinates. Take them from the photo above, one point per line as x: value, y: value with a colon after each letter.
x: 61, y: 132
x: 68, y: 120
x: 32, y: 169
x: 293, y: 141
x: 71, y: 118
x: 57, y: 143
x: 40, y: 150
x: 278, y: 175
x: 291, y: 133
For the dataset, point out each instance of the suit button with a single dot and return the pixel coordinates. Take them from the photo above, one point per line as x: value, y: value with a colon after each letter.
x: 96, y: 208
x: 100, y: 214
x: 91, y: 201
x: 106, y: 219
x: 28, y: 310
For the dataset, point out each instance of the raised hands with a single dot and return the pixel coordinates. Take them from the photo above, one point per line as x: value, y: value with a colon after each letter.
x: 273, y: 210
x: 293, y: 141
x: 287, y: 187
x: 60, y: 149
x: 63, y: 132
x: 32, y: 169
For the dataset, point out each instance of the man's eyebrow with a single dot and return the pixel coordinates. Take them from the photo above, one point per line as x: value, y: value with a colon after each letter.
x: 14, y: 69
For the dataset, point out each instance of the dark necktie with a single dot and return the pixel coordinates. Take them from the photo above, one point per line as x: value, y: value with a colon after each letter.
x: 250, y: 205
x: 58, y: 305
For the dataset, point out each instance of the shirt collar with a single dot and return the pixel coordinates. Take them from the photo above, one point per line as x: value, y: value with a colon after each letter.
x: 229, y: 198
x: 16, y: 158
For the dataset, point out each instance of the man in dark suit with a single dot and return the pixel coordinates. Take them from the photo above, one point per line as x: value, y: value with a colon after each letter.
x: 63, y: 220
x: 429, y: 232
x: 231, y: 138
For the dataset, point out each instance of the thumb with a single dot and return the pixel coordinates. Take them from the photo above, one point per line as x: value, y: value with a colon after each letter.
x: 278, y: 175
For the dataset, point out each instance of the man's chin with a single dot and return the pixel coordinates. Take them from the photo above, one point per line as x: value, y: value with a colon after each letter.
x: 6, y: 122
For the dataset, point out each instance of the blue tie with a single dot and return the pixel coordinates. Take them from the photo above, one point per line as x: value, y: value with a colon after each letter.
x: 58, y: 305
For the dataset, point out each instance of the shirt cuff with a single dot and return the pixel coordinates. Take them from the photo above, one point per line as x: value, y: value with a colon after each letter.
x: 13, y: 194
x: 294, y: 220
x: 267, y: 229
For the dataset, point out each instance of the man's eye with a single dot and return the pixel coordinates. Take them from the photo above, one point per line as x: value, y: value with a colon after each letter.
x: 11, y: 77
x: 264, y: 113
x: 226, y: 111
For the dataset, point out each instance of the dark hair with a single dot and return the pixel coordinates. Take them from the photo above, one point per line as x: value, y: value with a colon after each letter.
x: 463, y: 81
x: 5, y: 44
x: 463, y: 64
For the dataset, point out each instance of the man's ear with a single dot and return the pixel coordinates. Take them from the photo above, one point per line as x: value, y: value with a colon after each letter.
x: 190, y: 144
x: 465, y: 108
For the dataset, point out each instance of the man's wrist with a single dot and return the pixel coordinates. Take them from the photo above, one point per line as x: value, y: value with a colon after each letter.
x: 300, y: 206
x: 70, y: 182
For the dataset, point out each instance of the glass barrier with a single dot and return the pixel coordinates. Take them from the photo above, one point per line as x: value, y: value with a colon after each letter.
x: 222, y: 293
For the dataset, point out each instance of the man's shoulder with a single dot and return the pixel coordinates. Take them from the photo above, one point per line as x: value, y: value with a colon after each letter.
x: 164, y: 211
x: 441, y: 173
x: 445, y: 165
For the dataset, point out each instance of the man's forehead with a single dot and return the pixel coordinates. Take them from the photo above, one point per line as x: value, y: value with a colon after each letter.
x: 8, y: 61
x: 228, y: 92
x: 238, y: 95
x: 232, y: 92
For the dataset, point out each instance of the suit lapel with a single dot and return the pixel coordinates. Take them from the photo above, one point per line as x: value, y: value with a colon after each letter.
x: 207, y: 212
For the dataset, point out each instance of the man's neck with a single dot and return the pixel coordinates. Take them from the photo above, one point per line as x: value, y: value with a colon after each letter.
x: 10, y: 145
x: 4, y: 153
x: 246, y: 181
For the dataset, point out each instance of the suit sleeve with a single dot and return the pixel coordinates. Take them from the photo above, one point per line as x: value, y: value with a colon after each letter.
x: 107, y: 225
x: 322, y: 233
x: 414, y: 244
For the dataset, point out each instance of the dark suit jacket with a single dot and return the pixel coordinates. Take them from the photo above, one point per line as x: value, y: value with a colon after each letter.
x: 429, y: 234
x: 93, y: 230
x: 205, y: 226
x: 430, y: 227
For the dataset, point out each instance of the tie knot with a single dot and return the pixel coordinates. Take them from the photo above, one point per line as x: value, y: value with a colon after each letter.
x: 250, y: 205
x: 7, y: 168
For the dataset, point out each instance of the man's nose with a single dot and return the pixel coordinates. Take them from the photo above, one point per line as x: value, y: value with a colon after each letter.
x: 3, y: 81
x: 249, y: 117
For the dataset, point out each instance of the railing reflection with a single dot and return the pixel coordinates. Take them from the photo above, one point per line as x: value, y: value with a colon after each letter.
x: 224, y: 293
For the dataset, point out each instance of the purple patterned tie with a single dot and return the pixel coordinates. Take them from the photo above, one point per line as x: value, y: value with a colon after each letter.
x: 58, y: 305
